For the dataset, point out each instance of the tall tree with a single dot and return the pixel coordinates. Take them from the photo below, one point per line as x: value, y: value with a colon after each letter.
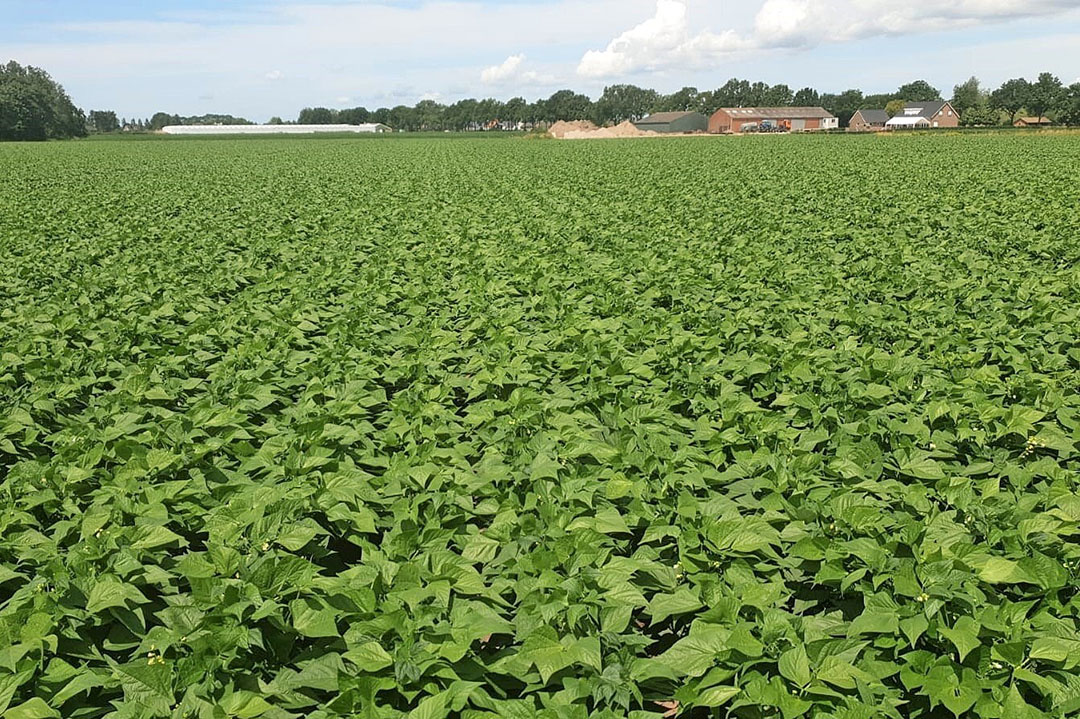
x: 894, y: 107
x: 163, y: 119
x: 354, y: 116
x: 759, y: 94
x: 1070, y: 112
x: 623, y: 102
x: 843, y: 105
x: 806, y: 97
x: 967, y: 95
x: 103, y: 121
x: 1045, y: 94
x: 516, y: 110
x: 317, y: 116
x: 1012, y: 97
x: 779, y: 96
x: 918, y: 91
x: 683, y: 100
x: 33, y: 106
x: 734, y: 93
x: 568, y: 105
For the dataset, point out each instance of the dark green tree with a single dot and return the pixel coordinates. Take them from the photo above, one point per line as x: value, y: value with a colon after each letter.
x: 1070, y: 112
x: 163, y: 119
x: 102, y: 121
x: 1012, y: 97
x: 918, y: 91
x: 382, y: 115
x: 843, y: 105
x: 33, y: 106
x: 779, y: 96
x: 317, y: 116
x: 1045, y: 94
x: 354, y: 116
x: 967, y: 96
x: 568, y: 105
x: 623, y: 102
x: 806, y: 97
x: 684, y: 100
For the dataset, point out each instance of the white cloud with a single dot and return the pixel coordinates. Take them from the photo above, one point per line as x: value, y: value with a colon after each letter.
x: 275, y: 75
x: 512, y: 71
x: 509, y: 69
x: 668, y: 39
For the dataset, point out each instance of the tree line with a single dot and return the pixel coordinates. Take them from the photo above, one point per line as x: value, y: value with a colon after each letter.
x: 977, y: 105
x: 35, y: 107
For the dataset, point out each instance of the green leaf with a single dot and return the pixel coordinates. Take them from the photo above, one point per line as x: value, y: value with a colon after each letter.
x: 369, y: 657
x: 922, y: 466
x: 683, y: 601
x: 716, y: 696
x: 109, y: 592
x: 295, y: 538
x: 35, y: 708
x: 432, y: 707
x: 245, y: 705
x: 794, y: 666
x: 964, y: 635
x: 152, y: 537
x: 313, y: 622
x: 997, y: 570
x: 694, y: 655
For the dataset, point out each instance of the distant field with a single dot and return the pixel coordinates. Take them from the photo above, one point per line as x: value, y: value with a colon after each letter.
x: 759, y: 427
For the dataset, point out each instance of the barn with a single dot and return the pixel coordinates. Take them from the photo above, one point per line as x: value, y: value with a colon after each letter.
x: 797, y: 119
x: 1033, y: 122
x: 668, y: 122
x: 372, y: 127
x: 868, y: 121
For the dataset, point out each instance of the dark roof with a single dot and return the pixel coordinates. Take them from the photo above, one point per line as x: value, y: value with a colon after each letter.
x: 777, y: 113
x: 925, y: 109
x: 875, y: 117
x: 663, y: 118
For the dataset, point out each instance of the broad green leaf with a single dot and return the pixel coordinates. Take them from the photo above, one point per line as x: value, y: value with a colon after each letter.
x: 794, y: 665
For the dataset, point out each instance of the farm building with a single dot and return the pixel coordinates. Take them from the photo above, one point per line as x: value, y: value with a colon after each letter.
x: 936, y: 114
x: 797, y: 119
x: 1033, y: 122
x: 674, y: 122
x: 868, y: 121
x: 373, y: 127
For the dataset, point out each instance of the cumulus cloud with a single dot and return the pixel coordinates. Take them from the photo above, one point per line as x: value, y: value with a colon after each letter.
x: 275, y: 75
x: 668, y: 38
x: 509, y: 68
x: 512, y: 70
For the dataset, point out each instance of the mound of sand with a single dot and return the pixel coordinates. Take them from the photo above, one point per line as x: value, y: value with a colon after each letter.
x: 561, y: 128
x: 624, y: 129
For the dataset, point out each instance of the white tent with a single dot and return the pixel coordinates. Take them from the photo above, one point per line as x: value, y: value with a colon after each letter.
x: 371, y: 127
x: 907, y: 122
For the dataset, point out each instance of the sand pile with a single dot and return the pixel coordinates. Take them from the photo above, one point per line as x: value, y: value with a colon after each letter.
x: 624, y: 129
x: 561, y: 128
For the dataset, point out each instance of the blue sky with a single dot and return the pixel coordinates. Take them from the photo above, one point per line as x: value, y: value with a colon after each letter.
x: 259, y: 58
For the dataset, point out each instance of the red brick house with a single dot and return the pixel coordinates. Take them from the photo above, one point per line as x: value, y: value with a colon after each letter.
x: 868, y: 121
x: 937, y: 114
